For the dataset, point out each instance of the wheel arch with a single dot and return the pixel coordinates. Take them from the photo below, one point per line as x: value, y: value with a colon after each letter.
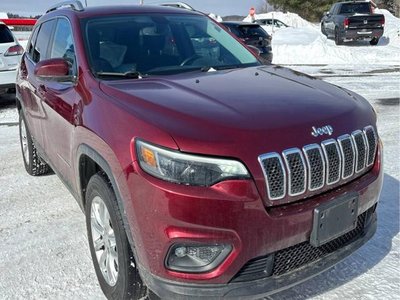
x: 89, y: 163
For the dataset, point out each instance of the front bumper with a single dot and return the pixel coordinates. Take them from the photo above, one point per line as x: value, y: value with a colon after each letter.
x: 230, y: 213
x: 258, y: 288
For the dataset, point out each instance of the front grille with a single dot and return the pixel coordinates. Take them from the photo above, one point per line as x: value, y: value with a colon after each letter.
x: 317, y: 166
x: 371, y: 142
x: 299, y: 255
x: 297, y: 171
x: 275, y: 175
x: 348, y: 155
x: 294, y: 257
x: 333, y: 158
x: 257, y: 268
x: 360, y: 143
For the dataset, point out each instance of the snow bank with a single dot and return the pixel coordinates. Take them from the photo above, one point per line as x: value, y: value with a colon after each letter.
x: 215, y: 17
x: 392, y: 26
x: 303, y: 43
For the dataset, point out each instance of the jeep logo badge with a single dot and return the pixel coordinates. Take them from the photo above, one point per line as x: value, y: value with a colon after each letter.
x: 365, y: 21
x: 321, y: 131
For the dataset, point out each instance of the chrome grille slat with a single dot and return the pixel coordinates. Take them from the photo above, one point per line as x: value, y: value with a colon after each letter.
x: 372, y: 144
x: 361, y: 151
x: 347, y: 151
x: 333, y: 161
x: 296, y: 170
x: 275, y: 175
x: 317, y: 166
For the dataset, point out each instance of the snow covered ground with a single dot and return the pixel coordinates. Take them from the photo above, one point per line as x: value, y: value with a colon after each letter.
x: 45, y: 253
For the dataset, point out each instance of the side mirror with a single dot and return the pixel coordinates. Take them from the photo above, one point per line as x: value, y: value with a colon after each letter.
x: 254, y: 50
x: 55, y: 69
x: 327, y: 14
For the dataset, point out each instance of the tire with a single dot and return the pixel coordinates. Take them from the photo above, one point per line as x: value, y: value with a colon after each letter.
x: 338, y: 40
x: 374, y: 41
x: 33, y: 163
x: 113, y: 260
x: 323, y: 29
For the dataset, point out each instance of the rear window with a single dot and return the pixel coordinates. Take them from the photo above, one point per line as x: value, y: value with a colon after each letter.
x: 251, y: 31
x: 355, y: 8
x: 5, y: 35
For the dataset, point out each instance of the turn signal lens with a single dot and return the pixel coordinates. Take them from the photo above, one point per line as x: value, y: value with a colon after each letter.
x: 148, y: 156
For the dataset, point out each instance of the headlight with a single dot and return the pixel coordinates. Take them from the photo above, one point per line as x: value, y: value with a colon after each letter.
x: 185, y: 168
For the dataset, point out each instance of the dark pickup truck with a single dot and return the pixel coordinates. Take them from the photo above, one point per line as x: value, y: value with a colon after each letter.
x: 348, y: 21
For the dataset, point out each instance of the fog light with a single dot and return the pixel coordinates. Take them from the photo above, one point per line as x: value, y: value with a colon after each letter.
x: 196, y: 258
x: 180, y: 252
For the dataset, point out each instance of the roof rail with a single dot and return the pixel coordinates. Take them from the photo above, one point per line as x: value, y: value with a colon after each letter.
x: 178, y: 5
x: 75, y: 5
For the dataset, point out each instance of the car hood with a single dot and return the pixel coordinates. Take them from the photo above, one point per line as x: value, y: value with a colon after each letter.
x: 270, y: 107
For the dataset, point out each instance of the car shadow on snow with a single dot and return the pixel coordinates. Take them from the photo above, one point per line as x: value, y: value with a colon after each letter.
x: 383, y: 41
x: 363, y: 259
x: 7, y: 100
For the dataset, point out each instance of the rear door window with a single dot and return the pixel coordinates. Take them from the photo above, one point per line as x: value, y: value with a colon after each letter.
x: 252, y: 31
x: 5, y: 35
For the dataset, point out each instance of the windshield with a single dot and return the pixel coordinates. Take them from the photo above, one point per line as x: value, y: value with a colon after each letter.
x: 355, y: 8
x: 161, y: 44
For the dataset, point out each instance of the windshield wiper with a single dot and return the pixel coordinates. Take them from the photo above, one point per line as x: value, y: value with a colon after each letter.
x: 129, y: 74
x: 228, y: 67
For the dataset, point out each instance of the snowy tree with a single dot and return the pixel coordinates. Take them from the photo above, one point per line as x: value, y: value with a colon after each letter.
x: 390, y: 5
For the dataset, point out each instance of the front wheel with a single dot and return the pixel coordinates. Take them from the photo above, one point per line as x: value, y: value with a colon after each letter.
x: 33, y: 163
x: 109, y: 247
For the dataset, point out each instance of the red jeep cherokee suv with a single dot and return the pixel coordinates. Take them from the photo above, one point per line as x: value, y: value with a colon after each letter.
x: 201, y: 172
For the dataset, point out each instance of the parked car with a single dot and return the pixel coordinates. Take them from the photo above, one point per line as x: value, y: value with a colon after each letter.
x: 348, y: 21
x: 10, y: 55
x: 271, y: 25
x: 252, y: 35
x: 200, y: 177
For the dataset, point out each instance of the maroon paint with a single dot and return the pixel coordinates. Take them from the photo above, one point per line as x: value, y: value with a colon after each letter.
x: 236, y: 113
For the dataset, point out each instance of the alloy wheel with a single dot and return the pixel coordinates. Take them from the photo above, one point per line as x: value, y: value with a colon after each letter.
x: 24, y: 142
x: 104, y: 242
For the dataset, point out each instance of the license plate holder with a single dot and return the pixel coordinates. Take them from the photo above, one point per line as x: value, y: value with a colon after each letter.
x: 334, y: 219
